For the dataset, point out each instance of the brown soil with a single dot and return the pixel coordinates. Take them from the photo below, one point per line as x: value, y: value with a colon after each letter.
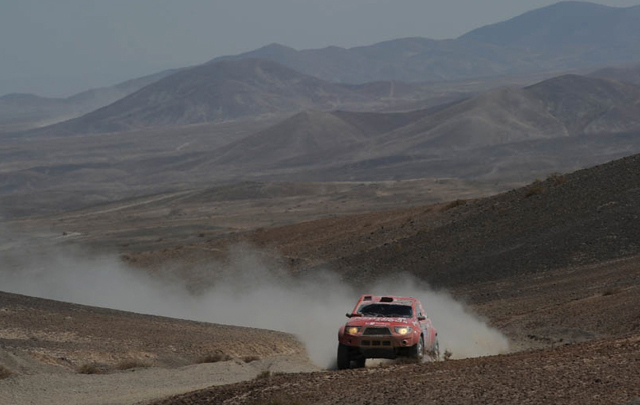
x: 602, y: 372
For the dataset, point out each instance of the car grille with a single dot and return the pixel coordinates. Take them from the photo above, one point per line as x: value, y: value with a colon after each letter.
x: 376, y: 343
x: 377, y: 332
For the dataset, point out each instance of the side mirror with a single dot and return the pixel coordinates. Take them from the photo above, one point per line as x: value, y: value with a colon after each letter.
x: 351, y: 315
x: 422, y: 318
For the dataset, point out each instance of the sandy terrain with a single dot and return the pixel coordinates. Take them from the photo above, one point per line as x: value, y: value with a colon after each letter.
x: 136, y: 385
x: 44, y: 343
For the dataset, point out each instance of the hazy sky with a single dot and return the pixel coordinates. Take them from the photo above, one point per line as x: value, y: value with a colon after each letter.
x: 61, y: 47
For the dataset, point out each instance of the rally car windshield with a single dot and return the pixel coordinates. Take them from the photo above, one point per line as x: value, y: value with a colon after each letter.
x: 386, y: 310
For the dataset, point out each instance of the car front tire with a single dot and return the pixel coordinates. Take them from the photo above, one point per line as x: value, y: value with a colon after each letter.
x: 343, y: 357
x: 417, y: 350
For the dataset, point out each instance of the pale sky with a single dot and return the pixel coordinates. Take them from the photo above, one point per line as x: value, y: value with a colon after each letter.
x: 61, y: 47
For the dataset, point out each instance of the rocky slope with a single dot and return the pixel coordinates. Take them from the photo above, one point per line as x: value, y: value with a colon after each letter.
x: 573, y: 219
x: 603, y: 372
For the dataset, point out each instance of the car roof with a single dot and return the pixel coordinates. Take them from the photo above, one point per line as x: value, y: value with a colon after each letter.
x: 390, y: 299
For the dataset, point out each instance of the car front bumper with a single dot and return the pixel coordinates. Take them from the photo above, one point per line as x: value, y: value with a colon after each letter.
x: 387, y: 347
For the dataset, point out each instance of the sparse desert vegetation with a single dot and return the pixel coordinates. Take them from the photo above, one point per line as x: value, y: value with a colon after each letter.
x: 250, y: 359
x: 536, y: 188
x: 92, y: 368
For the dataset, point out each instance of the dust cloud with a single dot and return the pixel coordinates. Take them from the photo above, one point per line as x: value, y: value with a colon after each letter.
x: 249, y: 289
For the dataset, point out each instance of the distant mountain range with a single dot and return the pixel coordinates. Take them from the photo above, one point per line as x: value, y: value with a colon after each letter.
x: 253, y: 87
x: 362, y: 144
x: 508, y: 135
x: 26, y: 111
x: 558, y: 37
x: 223, y: 90
x: 313, y: 129
x: 233, y: 89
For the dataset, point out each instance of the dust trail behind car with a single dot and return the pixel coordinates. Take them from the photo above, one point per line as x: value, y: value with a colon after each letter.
x: 248, y: 289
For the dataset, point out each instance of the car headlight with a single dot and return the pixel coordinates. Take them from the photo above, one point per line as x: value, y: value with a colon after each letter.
x: 402, y: 330
x: 352, y: 330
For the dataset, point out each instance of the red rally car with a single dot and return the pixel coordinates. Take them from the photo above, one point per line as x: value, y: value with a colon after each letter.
x: 386, y: 327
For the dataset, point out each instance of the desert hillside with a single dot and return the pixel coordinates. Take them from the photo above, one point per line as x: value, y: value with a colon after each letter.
x: 566, y: 219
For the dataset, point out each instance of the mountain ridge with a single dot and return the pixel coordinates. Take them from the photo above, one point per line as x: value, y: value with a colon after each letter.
x: 223, y: 90
x: 546, y: 39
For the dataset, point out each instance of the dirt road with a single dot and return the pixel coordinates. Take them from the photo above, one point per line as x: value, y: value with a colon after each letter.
x: 134, y: 386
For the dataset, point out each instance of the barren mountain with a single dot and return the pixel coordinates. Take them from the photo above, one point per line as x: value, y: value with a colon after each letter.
x: 218, y: 91
x: 569, y: 33
x: 568, y: 105
x: 407, y: 60
x: 312, y: 138
x: 590, y: 106
x: 510, y: 135
x: 26, y: 111
x: 558, y: 37
x: 564, y: 36
x: 471, y: 138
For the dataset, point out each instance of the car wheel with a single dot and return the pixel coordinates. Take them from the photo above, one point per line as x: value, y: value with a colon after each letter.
x: 360, y: 362
x: 417, y: 350
x: 343, y: 357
